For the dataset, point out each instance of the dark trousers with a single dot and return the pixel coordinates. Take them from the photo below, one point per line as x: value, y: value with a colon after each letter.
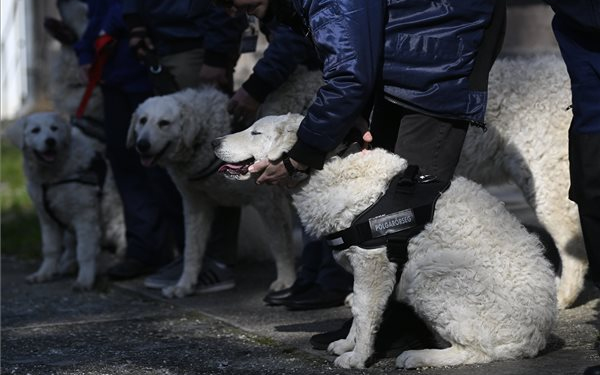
x: 151, y: 202
x: 434, y: 144
x: 319, y: 267
x: 581, y: 53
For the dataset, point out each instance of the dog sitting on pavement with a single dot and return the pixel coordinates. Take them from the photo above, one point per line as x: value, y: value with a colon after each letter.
x: 474, y: 274
x: 74, y: 194
x: 175, y: 131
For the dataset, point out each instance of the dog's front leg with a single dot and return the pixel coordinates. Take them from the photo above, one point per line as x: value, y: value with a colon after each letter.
x: 278, y: 218
x: 88, y: 236
x: 52, y: 236
x: 198, y: 215
x: 374, y: 281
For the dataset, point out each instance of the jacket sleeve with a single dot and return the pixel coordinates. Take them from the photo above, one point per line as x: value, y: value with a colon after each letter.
x: 113, y: 23
x: 285, y: 51
x: 223, y: 35
x: 349, y: 39
x: 84, y: 48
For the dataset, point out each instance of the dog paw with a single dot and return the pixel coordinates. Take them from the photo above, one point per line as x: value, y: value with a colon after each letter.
x: 82, y: 287
x: 40, y: 277
x: 340, y: 347
x: 279, y: 284
x: 409, y: 359
x: 177, y: 291
x: 350, y: 360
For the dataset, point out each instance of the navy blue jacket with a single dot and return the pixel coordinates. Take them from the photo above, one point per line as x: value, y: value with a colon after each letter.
x: 286, y: 50
x: 122, y: 69
x: 577, y: 30
x: 177, y: 26
x: 421, y: 53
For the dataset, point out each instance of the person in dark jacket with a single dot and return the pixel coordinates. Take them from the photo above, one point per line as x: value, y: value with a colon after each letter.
x: 195, y: 43
x: 416, y: 69
x: 150, y: 199
x: 286, y: 51
x: 576, y: 25
x: 321, y: 282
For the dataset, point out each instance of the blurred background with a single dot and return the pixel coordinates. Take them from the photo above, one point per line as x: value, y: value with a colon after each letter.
x: 25, y: 48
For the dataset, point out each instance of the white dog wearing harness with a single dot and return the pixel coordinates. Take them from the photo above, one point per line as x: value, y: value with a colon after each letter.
x: 71, y: 186
x: 474, y: 274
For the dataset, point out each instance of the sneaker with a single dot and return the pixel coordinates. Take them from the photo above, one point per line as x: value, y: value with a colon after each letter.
x: 166, y: 276
x: 214, y: 277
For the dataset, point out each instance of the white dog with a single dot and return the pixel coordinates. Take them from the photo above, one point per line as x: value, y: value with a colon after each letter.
x: 175, y: 131
x: 72, y: 189
x: 527, y: 143
x: 474, y: 274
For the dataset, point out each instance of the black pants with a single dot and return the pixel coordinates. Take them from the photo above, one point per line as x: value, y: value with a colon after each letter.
x: 151, y: 202
x: 434, y: 144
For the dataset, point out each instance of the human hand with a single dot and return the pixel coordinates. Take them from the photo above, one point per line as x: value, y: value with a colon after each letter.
x: 276, y: 173
x: 363, y: 126
x: 215, y: 76
x: 139, y: 42
x: 243, y: 107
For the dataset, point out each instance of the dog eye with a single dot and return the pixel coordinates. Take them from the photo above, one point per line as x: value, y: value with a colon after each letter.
x: 54, y: 128
x: 254, y: 132
x: 162, y: 123
x: 35, y: 130
x: 143, y: 120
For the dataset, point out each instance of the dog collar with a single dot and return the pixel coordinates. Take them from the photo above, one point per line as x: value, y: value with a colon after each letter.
x: 209, y: 170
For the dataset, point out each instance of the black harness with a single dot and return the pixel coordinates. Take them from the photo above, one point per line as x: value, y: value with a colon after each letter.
x: 94, y: 175
x: 400, y: 214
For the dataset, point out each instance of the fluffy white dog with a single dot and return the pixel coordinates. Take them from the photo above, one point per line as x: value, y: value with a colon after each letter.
x: 527, y: 143
x: 475, y: 275
x: 175, y: 131
x: 72, y: 189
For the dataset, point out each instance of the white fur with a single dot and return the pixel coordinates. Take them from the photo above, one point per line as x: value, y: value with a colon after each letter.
x: 475, y: 275
x: 179, y: 129
x: 90, y: 220
x: 527, y: 143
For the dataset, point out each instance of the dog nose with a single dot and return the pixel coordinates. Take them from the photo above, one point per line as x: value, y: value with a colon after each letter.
x: 50, y: 142
x: 142, y: 145
x: 216, y: 143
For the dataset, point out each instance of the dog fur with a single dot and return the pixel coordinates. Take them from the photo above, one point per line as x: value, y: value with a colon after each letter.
x: 54, y: 151
x: 175, y: 131
x: 527, y: 143
x: 475, y: 275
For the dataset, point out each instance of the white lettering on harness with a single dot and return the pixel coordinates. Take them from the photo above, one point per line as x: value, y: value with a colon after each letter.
x: 391, y: 223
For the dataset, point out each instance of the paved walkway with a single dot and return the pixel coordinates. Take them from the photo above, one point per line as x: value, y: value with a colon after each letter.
x: 124, y: 328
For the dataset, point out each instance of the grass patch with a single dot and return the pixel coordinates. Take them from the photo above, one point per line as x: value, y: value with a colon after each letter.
x: 19, y: 228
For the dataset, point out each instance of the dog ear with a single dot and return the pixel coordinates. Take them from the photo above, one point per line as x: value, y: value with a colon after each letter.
x: 131, y: 131
x: 14, y: 133
x: 190, y: 126
x: 287, y: 127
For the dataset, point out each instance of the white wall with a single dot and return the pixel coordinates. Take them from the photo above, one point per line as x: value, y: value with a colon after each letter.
x: 13, y: 57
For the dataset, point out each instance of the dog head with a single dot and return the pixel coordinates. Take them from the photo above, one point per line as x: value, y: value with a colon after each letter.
x: 165, y: 127
x: 41, y: 136
x: 268, y: 138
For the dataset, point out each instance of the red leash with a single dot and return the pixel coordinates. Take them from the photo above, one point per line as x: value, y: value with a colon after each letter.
x: 103, y: 46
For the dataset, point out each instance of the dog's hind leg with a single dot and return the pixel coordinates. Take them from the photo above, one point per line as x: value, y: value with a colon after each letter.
x: 452, y: 356
x: 198, y: 216
x: 52, y: 237
x: 374, y: 281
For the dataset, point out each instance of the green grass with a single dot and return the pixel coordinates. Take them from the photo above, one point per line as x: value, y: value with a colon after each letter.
x: 19, y: 228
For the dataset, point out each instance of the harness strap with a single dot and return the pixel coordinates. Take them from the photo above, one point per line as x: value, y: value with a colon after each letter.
x: 93, y: 175
x: 411, y: 198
